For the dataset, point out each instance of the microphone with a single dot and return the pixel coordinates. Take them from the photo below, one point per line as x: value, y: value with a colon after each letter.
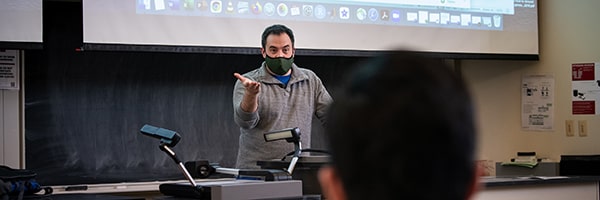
x: 167, y: 137
x: 291, y: 135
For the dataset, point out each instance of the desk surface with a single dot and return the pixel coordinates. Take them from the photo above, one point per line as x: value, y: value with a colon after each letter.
x: 81, y: 197
x: 217, y: 189
x: 493, y: 181
x: 89, y: 196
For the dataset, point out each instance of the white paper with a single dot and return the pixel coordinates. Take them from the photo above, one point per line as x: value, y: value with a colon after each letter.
x: 586, y: 89
x: 537, y: 103
x: 9, y: 69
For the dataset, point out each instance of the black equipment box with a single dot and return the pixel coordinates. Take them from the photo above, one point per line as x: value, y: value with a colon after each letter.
x: 579, y: 165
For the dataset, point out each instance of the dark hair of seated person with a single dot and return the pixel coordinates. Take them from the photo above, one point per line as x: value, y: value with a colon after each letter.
x: 401, y: 127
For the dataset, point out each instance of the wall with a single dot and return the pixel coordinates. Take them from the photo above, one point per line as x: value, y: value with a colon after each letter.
x: 568, y: 34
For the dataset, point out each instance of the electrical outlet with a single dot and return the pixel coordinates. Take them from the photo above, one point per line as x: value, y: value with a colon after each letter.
x: 569, y: 128
x: 583, y: 129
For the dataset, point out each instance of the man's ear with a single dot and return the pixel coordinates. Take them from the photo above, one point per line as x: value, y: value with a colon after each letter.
x: 262, y: 52
x: 475, y: 183
x: 331, y: 184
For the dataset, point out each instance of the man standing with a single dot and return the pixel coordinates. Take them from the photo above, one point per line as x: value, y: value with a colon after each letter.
x: 275, y: 96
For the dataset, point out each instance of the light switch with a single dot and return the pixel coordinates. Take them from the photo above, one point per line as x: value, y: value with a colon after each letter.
x: 569, y: 128
x: 583, y: 129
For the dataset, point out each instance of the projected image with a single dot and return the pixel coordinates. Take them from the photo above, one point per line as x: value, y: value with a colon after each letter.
x: 498, y: 27
x: 469, y: 14
x: 21, y: 21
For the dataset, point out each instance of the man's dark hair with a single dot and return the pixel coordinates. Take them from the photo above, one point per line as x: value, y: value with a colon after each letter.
x: 276, y: 29
x: 402, y: 128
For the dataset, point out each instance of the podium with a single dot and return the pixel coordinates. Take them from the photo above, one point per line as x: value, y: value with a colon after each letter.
x: 235, y: 189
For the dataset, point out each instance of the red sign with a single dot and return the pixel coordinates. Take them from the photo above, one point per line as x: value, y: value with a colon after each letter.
x: 583, y: 72
x: 584, y: 107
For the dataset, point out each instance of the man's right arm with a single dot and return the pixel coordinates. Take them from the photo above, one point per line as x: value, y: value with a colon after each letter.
x: 249, y: 101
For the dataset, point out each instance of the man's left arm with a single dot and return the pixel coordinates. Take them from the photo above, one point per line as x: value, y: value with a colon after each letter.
x: 322, y: 102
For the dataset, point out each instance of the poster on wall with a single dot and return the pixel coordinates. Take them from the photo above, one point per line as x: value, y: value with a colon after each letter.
x: 585, y: 81
x: 537, y: 103
x: 9, y: 69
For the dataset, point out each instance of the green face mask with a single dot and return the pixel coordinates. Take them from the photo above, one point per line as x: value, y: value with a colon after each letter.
x: 279, y: 66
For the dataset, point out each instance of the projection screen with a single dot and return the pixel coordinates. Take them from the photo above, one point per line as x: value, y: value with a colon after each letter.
x: 20, y: 24
x: 458, y: 27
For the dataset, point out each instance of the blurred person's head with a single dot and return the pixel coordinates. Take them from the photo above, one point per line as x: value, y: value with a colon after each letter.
x: 402, y: 127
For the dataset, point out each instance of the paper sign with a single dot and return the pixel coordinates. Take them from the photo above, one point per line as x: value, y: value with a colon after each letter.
x: 537, y: 103
x: 9, y: 69
x: 586, y: 88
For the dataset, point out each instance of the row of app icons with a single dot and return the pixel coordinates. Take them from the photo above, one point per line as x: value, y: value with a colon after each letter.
x: 320, y: 11
x: 241, y: 7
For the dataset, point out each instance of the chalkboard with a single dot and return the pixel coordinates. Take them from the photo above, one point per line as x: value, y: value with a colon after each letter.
x: 83, y: 120
x: 84, y: 109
